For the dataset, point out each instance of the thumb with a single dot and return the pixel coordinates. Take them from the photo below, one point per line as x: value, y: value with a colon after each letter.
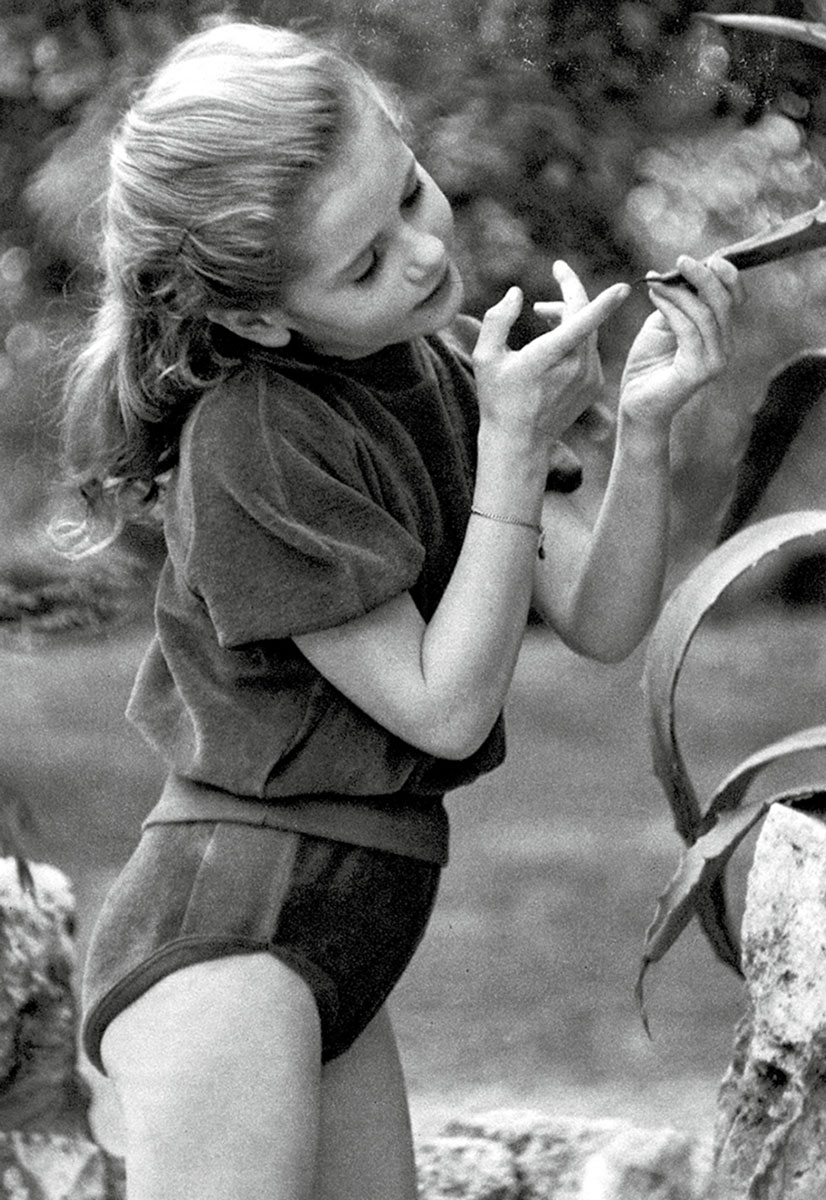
x: 497, y: 324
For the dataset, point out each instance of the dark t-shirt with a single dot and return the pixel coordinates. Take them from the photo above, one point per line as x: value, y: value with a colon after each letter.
x: 308, y: 492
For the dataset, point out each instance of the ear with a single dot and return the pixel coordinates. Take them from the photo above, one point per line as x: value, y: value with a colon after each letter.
x: 267, y: 328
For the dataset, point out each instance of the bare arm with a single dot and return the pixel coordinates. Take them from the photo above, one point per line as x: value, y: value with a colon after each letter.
x: 601, y: 588
x: 440, y: 685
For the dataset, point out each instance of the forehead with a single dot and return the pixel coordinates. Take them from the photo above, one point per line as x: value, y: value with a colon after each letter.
x: 353, y: 201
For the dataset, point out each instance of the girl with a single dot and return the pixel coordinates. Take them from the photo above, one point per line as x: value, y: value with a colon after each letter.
x: 354, y: 505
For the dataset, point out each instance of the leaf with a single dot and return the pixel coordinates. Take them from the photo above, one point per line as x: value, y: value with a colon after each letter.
x: 675, y: 630
x: 732, y: 790
x: 800, y: 233
x: 812, y: 33
x: 700, y: 867
x: 726, y: 823
x: 792, y: 394
x: 665, y: 658
x: 722, y: 832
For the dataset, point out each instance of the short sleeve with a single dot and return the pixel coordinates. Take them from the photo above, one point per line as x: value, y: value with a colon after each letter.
x: 280, y: 514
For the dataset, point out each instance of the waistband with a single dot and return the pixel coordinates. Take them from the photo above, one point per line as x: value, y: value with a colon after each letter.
x: 414, y: 826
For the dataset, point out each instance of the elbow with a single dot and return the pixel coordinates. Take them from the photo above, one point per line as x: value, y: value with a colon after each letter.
x: 453, y: 746
x: 606, y: 648
x: 457, y: 749
x: 453, y: 738
x: 600, y: 637
x: 611, y: 655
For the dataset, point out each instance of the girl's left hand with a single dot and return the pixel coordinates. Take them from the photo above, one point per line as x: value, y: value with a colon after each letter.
x: 685, y: 343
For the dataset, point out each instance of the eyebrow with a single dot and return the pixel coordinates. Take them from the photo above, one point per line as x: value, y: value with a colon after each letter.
x: 410, y: 177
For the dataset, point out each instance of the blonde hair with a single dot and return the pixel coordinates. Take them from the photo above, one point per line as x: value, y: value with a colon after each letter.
x: 208, y: 202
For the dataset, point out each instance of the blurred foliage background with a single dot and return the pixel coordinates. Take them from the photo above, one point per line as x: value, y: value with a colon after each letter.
x: 530, y: 113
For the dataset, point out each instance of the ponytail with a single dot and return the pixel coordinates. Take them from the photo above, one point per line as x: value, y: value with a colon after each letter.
x: 211, y: 171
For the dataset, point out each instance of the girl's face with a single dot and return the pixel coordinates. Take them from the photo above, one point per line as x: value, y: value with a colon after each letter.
x: 381, y: 236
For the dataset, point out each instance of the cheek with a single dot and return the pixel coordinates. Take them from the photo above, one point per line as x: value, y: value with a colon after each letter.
x: 440, y: 214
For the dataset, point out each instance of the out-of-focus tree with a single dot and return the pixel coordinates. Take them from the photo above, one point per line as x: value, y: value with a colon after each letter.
x: 528, y: 111
x: 531, y: 114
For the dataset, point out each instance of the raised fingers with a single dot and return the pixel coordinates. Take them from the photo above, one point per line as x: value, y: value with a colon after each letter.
x: 574, y: 294
x: 551, y: 311
x: 497, y: 324
x: 574, y: 329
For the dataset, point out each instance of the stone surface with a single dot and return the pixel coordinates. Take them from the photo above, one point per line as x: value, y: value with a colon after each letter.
x: 36, y: 1166
x: 771, y: 1125
x: 468, y: 1168
x: 648, y: 1164
x: 40, y: 1088
x: 548, y: 1158
x: 46, y: 1150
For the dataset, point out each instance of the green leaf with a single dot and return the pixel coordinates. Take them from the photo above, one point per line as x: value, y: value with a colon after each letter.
x: 727, y: 822
x: 678, y: 623
x: 810, y: 32
x: 700, y: 867
x: 696, y: 890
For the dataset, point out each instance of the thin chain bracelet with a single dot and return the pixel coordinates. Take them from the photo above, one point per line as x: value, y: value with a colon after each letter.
x: 539, y: 530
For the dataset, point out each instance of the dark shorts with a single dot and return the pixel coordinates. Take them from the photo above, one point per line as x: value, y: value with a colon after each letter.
x: 346, y: 918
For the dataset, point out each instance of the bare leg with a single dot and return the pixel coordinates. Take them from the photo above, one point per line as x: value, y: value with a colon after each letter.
x: 217, y: 1069
x: 366, y: 1150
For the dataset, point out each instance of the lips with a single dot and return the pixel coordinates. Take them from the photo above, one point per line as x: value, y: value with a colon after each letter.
x: 431, y: 295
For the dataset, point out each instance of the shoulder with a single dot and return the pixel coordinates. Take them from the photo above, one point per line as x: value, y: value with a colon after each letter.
x: 261, y: 413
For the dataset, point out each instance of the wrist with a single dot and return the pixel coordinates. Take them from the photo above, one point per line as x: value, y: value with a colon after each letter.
x: 649, y: 434
x: 512, y: 451
x: 537, y: 529
x: 510, y: 476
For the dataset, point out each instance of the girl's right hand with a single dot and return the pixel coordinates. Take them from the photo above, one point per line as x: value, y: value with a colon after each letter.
x: 684, y: 344
x: 541, y: 389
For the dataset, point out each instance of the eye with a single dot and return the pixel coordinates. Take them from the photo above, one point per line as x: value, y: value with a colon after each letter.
x: 414, y: 195
x: 408, y: 202
x: 371, y: 268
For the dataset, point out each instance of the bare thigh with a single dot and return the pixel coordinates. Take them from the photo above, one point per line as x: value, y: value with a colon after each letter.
x: 217, y: 1069
x: 366, y: 1148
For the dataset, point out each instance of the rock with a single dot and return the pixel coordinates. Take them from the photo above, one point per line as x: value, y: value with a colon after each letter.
x: 50, y: 1167
x: 548, y: 1153
x: 46, y: 1148
x: 561, y: 1159
x: 40, y: 1087
x: 648, y: 1164
x: 771, y: 1124
x: 467, y: 1168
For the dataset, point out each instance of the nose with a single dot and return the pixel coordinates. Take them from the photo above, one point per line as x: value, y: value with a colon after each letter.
x: 427, y: 257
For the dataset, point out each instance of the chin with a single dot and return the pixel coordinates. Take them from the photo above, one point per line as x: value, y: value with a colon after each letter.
x: 451, y: 305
